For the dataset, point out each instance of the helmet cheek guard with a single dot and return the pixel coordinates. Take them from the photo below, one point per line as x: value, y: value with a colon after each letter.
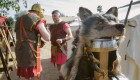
x: 41, y: 15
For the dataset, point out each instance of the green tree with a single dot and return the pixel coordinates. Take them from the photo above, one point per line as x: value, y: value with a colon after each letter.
x: 11, y: 21
x: 62, y: 14
x: 99, y: 8
x: 5, y: 5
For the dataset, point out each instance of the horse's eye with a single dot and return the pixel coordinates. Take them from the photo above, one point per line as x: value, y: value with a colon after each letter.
x: 100, y: 22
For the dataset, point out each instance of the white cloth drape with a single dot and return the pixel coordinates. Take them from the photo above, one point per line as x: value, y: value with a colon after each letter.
x: 131, y: 47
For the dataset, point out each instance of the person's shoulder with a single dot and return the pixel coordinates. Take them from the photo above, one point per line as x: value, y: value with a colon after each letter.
x: 66, y: 24
x: 33, y: 15
x: 63, y: 22
x: 51, y: 25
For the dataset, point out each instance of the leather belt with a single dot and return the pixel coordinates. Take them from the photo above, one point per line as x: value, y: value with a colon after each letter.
x: 33, y: 41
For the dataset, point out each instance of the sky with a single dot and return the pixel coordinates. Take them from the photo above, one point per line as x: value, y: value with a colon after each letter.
x: 71, y: 7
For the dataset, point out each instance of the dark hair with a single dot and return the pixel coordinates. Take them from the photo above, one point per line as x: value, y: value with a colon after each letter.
x: 55, y: 11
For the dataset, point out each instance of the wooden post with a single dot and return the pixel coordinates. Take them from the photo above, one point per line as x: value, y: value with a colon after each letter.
x: 103, y: 58
x: 8, y: 46
x: 7, y: 51
x: 4, y: 66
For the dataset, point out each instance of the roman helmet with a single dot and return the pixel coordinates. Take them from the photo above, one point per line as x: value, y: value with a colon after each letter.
x: 38, y: 7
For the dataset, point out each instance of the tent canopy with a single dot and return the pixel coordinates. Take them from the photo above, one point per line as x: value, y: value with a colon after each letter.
x: 66, y: 19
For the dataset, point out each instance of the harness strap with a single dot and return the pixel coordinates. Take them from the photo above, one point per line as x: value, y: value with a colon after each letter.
x: 27, y: 37
x: 31, y: 28
x: 21, y: 24
x: 33, y: 41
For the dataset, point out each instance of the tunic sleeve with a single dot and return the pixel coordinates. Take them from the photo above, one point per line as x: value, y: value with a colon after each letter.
x: 40, y: 21
x: 65, y: 26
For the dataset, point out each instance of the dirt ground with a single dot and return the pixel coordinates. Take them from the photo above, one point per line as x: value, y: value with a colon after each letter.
x: 49, y: 71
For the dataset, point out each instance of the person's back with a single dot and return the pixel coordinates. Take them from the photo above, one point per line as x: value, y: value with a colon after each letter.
x: 28, y: 27
x: 22, y: 46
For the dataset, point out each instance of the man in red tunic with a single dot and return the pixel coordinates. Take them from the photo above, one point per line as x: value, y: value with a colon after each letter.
x: 60, y: 33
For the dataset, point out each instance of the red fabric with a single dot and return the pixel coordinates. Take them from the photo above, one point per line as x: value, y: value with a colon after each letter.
x: 2, y: 21
x: 28, y: 72
x: 60, y: 58
x: 5, y: 30
x: 41, y: 21
x: 38, y: 63
x: 21, y: 24
x: 65, y: 26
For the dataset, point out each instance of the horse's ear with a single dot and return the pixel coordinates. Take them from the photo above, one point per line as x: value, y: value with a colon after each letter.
x: 113, y: 10
x: 84, y: 13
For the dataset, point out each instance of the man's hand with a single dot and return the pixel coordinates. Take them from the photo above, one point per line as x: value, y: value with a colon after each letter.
x: 42, y: 43
x: 59, y: 41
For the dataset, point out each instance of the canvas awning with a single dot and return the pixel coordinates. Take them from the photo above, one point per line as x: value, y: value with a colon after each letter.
x: 129, y: 49
x: 66, y: 19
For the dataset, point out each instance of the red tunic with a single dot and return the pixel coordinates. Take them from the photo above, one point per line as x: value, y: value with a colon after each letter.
x: 60, y: 58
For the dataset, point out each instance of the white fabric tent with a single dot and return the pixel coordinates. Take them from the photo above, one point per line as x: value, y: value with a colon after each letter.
x: 131, y: 48
x: 66, y: 19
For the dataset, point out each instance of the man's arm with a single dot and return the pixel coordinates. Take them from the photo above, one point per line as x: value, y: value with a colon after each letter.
x: 68, y: 37
x: 43, y: 32
x: 69, y: 33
